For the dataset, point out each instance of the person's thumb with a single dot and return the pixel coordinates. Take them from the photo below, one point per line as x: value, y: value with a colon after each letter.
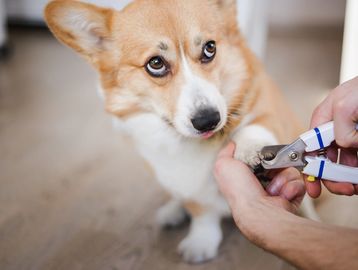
x: 235, y: 179
x: 228, y: 151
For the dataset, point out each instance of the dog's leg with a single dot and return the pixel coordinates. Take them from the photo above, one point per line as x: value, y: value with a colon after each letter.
x: 249, y: 141
x: 204, y: 238
x: 171, y: 214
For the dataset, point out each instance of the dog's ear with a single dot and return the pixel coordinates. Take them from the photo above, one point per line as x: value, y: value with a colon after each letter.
x: 228, y: 10
x: 83, y: 27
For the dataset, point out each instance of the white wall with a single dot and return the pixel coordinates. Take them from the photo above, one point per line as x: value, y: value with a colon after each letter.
x: 25, y: 9
x: 303, y: 13
x: 33, y: 9
x: 349, y: 67
x: 281, y: 12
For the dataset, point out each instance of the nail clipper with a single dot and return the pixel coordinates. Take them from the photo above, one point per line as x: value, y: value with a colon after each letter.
x: 294, y: 155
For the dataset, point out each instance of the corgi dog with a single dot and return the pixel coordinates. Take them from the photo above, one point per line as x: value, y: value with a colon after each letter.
x: 179, y: 78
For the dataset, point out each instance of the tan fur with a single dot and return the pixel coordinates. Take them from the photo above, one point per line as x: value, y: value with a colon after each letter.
x: 275, y: 115
x: 193, y: 208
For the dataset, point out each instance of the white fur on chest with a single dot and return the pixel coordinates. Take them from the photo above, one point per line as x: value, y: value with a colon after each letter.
x: 182, y: 166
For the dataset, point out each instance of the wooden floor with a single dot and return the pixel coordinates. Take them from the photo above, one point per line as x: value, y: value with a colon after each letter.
x: 73, y: 192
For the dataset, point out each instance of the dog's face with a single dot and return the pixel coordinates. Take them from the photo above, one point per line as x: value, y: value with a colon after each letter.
x: 179, y: 59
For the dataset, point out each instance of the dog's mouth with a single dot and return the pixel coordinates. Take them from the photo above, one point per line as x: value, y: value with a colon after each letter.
x: 207, y: 134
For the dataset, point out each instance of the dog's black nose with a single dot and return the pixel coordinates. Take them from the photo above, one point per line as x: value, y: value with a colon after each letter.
x: 206, y: 120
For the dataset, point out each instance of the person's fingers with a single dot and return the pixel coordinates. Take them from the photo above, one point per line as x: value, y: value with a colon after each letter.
x: 323, y: 113
x: 348, y: 157
x: 289, y: 185
x: 280, y: 179
x: 294, y: 191
x: 339, y: 188
x: 356, y: 189
x: 341, y: 105
x: 345, y: 115
x: 313, y: 188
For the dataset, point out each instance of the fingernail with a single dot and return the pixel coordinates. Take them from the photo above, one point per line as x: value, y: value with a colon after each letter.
x: 272, y: 188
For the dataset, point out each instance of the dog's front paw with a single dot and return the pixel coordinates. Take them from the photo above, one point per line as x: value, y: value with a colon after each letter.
x: 198, y: 248
x: 171, y: 214
x: 249, y: 142
x: 249, y: 153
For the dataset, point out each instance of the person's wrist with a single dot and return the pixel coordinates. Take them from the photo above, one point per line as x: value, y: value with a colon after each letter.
x: 251, y: 217
x: 261, y: 221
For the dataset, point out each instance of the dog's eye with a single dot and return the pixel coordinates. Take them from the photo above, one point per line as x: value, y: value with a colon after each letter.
x: 209, y: 52
x: 157, y: 67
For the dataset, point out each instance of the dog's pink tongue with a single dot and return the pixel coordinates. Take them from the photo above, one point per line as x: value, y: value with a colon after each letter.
x: 207, y: 135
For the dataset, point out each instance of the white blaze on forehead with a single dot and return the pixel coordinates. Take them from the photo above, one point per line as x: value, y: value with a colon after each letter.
x: 196, y: 94
x: 201, y: 92
x: 188, y: 74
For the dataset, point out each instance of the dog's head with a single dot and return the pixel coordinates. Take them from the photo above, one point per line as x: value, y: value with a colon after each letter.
x: 183, y: 60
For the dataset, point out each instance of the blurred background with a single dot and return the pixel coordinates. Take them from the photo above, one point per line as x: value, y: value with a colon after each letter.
x: 74, y: 194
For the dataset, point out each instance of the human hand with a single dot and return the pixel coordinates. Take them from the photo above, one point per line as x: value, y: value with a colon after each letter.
x: 341, y: 106
x: 249, y: 201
